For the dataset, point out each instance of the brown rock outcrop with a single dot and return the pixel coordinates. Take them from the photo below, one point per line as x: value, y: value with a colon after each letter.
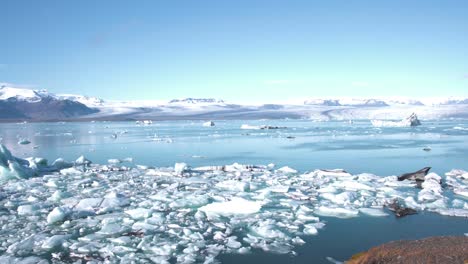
x: 440, y: 250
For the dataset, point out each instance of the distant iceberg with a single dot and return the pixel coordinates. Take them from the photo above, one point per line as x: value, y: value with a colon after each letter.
x: 410, y: 121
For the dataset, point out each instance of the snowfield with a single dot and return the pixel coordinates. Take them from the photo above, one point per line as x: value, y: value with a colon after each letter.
x: 333, y: 108
x: 71, y: 211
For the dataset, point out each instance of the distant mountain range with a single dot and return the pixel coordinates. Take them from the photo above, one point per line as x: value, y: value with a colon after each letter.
x: 19, y: 104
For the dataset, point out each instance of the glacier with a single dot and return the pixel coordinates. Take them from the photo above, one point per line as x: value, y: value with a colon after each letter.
x: 27, y: 104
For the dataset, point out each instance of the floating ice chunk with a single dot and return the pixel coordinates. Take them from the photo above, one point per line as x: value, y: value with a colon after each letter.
x: 342, y: 198
x: 71, y: 171
x: 279, y: 188
x: 331, y: 173
x: 82, y: 161
x: 26, y: 246
x: 209, y: 124
x: 114, y: 161
x: 27, y: 209
x: 58, y: 195
x: 453, y: 212
x: 298, y: 241
x: 268, y: 229
x: 61, y: 164
x: 139, y: 213
x: 55, y: 241
x: 112, y: 229
x: 336, y: 212
x: 352, y: 186
x: 310, y: 230
x: 237, y: 206
x: 12, y: 167
x: 232, y: 242
x: 88, y: 204
x: 180, y: 168
x: 432, y: 190
x: 286, y: 169
x: 245, y: 126
x: 58, y: 214
x: 327, y: 189
x: 460, y: 191
x: 373, y: 212
x: 233, y: 185
x: 458, y: 174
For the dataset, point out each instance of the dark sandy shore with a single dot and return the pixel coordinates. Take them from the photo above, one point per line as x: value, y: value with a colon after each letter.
x: 440, y: 250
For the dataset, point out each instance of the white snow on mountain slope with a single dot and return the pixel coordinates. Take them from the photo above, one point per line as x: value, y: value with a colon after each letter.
x: 198, y: 101
x: 327, y: 108
x: 7, y: 92
x: 29, y: 95
x: 386, y: 101
x: 86, y: 100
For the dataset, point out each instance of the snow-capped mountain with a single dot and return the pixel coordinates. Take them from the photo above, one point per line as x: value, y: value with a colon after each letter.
x: 27, y: 104
x: 388, y: 101
x: 346, y: 102
x: 20, y: 94
x: 196, y: 101
x: 86, y: 100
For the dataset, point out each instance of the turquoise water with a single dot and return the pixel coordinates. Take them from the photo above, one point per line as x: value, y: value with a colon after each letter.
x: 303, y: 145
x: 356, y: 147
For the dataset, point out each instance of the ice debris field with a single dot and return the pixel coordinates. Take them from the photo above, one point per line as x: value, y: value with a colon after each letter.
x: 72, y: 211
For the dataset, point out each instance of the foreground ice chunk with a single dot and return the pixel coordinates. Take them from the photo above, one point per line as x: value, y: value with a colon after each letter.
x: 139, y: 213
x: 11, y: 168
x: 342, y: 198
x: 58, y: 214
x: 82, y: 161
x: 373, y: 212
x: 336, y: 212
x: 27, y: 209
x: 287, y: 169
x: 61, y: 164
x: 237, y: 206
x: 55, y: 241
x: 310, y: 230
x: 233, y: 185
x: 179, y: 168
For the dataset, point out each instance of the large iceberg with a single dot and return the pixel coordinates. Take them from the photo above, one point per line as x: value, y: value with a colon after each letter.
x: 410, y: 121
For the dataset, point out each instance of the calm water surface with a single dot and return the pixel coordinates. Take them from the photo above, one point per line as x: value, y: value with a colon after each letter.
x: 303, y: 145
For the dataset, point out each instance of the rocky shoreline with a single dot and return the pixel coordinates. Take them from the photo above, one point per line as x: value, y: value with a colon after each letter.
x: 440, y: 250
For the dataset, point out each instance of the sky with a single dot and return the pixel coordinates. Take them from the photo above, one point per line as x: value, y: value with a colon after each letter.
x: 236, y: 50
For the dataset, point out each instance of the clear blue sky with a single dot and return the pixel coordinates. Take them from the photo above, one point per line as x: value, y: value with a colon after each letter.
x: 268, y: 50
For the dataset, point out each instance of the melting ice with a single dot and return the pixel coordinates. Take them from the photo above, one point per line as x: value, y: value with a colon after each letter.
x: 78, y: 210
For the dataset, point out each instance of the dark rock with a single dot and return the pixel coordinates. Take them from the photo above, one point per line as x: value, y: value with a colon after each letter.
x: 415, y: 176
x: 399, y: 210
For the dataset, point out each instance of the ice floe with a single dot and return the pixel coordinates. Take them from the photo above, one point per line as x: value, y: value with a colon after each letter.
x: 83, y: 211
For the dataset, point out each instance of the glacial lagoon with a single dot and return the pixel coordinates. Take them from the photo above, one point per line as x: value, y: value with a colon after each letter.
x: 178, y: 191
